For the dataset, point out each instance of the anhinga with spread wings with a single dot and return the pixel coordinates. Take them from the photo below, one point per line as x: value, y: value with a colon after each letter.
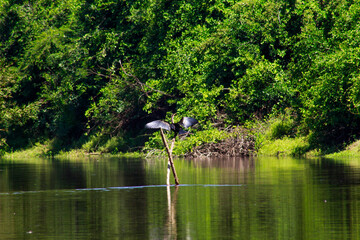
x: 185, y: 122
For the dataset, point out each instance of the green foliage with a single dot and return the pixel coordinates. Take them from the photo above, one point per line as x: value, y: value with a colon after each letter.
x: 101, y: 142
x: 280, y: 127
x: 95, y: 142
x: 199, y: 138
x: 277, y: 127
x: 352, y: 151
x: 182, y: 146
x: 3, y: 146
x: 116, y: 105
x: 60, y: 76
x: 286, y: 146
x: 330, y: 106
x: 154, y: 144
x: 278, y: 136
x: 263, y: 87
x: 113, y: 145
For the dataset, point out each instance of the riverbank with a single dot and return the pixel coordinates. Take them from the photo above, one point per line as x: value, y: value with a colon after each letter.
x: 273, y: 137
x: 300, y: 146
x: 234, y: 141
x: 352, y: 150
x: 41, y: 150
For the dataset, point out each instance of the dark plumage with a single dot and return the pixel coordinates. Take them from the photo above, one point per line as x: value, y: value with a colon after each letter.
x: 185, y: 122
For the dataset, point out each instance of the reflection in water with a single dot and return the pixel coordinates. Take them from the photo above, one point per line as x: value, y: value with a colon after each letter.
x: 171, y: 218
x: 268, y: 198
x: 240, y: 164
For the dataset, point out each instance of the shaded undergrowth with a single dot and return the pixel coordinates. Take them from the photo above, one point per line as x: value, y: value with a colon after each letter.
x: 277, y: 136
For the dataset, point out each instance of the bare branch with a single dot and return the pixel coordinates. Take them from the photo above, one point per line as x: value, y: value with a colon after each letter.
x: 110, y: 77
x: 137, y: 84
x: 141, y: 83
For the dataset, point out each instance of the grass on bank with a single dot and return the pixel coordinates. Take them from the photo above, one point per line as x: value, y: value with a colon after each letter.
x: 37, y: 150
x: 117, y: 146
x: 41, y: 150
x: 351, y: 151
x: 286, y: 146
x: 96, y: 145
x: 274, y: 137
x: 277, y: 137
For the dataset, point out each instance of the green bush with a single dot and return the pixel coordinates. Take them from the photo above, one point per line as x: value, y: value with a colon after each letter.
x: 285, y: 146
x: 182, y: 146
x: 280, y: 127
x: 60, y: 76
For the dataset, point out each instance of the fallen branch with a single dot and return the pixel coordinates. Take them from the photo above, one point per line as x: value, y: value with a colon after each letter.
x: 240, y: 144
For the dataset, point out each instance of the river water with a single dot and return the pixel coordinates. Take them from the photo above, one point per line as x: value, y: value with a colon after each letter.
x: 229, y: 198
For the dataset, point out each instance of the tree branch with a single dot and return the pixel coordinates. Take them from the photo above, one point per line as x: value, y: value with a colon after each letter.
x: 141, y: 83
x: 137, y: 84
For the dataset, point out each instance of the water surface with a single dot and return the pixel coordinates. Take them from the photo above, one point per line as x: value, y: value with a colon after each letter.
x: 230, y: 198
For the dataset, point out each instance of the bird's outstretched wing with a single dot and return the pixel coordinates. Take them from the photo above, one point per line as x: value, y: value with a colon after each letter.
x: 158, y: 124
x: 182, y: 132
x: 188, y: 122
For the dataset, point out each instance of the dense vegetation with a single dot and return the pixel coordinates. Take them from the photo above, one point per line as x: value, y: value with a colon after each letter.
x: 80, y: 72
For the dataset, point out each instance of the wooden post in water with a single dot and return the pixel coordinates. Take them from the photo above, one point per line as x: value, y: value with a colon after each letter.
x: 170, y: 162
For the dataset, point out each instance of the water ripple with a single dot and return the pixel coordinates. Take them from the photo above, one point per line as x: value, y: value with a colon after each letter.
x: 106, y: 189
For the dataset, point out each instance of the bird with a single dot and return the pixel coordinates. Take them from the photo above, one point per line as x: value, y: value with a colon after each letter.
x: 185, y: 122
